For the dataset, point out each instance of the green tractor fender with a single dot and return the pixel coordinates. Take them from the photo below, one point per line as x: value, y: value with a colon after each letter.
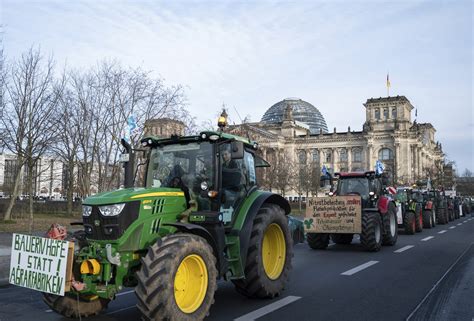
x: 214, y: 237
x: 244, y: 222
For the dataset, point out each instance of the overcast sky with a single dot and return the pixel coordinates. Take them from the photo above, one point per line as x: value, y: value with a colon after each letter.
x: 249, y: 55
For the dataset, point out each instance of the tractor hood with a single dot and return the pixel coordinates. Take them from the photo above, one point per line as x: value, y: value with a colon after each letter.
x: 131, y: 194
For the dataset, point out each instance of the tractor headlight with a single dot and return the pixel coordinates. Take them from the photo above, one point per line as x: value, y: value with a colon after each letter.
x: 86, y: 210
x: 111, y: 210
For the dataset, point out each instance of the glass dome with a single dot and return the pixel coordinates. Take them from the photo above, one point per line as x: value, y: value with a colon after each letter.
x: 302, y: 111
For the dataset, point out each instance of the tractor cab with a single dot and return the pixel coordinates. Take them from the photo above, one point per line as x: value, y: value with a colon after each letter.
x: 365, y: 184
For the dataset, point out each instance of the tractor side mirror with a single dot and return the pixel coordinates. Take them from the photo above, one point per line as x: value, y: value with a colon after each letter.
x: 237, y: 150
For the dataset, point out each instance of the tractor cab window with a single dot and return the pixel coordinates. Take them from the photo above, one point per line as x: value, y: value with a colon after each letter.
x: 188, y: 167
x: 357, y: 185
x: 235, y: 177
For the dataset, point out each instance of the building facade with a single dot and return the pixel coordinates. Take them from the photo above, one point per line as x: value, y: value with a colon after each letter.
x: 408, y: 149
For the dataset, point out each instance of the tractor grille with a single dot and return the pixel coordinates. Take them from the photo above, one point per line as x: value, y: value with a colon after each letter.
x: 98, y: 227
x: 158, y: 205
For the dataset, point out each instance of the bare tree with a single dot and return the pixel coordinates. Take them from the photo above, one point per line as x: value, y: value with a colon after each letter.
x: 28, y: 120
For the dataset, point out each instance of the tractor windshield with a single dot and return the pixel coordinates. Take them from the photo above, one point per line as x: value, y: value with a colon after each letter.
x: 176, y: 165
x: 354, y: 185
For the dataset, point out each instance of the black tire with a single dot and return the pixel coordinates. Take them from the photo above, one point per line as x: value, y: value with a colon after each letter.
x: 156, y: 278
x: 418, y: 220
x: 371, y: 235
x: 442, y: 216
x: 342, y: 238
x: 73, y: 307
x: 433, y: 214
x: 257, y: 283
x: 427, y: 219
x: 409, y: 222
x: 317, y: 241
x: 390, y: 226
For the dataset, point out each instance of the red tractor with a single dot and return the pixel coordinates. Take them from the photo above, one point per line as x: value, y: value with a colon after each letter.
x: 379, y: 215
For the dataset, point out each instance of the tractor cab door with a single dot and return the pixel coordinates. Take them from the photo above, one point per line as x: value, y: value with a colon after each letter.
x: 237, y: 176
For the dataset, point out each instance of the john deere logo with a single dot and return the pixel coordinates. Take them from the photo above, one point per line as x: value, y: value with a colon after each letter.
x: 97, y: 223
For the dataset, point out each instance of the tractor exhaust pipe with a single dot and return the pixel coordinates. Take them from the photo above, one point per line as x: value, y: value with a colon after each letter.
x: 128, y: 164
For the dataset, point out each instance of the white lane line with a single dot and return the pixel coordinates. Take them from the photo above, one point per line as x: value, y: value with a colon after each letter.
x: 268, y: 308
x: 452, y: 227
x: 427, y: 238
x: 459, y: 223
x: 359, y: 268
x: 441, y: 232
x: 123, y: 309
x: 126, y: 292
x: 332, y: 244
x: 403, y: 249
x: 48, y: 311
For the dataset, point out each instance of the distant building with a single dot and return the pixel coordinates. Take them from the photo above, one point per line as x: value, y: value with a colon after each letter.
x: 297, y: 129
x: 164, y: 127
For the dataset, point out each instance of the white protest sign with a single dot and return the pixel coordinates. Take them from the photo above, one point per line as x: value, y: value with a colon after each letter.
x: 39, y: 263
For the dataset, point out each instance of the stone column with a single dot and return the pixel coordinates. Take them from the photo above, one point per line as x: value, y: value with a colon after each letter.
x: 333, y: 159
x: 396, y: 162
x: 349, y: 159
x: 369, y: 159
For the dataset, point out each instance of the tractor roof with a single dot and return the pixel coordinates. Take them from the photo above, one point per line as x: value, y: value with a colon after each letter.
x: 343, y: 175
x: 203, y: 136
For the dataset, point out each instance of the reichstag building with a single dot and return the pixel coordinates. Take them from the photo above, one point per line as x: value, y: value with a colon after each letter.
x: 298, y: 130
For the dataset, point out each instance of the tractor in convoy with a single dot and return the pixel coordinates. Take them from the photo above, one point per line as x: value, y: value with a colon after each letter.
x: 439, y: 206
x: 406, y: 211
x: 358, y: 206
x: 199, y: 217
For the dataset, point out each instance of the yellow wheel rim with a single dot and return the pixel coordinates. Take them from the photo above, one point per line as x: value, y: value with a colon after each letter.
x: 273, y: 251
x: 190, y: 283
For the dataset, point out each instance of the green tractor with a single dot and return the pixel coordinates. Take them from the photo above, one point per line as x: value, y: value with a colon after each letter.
x: 199, y: 217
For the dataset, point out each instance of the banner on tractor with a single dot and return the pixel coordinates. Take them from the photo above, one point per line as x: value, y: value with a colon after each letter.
x: 40, y: 263
x: 336, y: 214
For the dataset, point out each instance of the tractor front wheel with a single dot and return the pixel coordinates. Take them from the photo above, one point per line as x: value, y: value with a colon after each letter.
x: 270, y: 250
x: 318, y: 241
x: 428, y: 219
x: 371, y: 235
x: 419, y: 220
x: 390, y: 226
x: 74, y: 305
x: 177, y: 279
x: 409, y: 222
x: 442, y: 216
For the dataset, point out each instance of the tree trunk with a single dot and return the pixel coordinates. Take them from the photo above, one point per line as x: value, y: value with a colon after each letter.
x: 30, y: 194
x: 70, y: 189
x: 16, y: 187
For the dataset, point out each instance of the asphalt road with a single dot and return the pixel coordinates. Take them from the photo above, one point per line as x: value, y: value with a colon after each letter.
x: 427, y: 276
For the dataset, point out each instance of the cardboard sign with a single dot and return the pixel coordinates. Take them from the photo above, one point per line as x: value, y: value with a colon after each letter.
x: 40, y: 263
x: 336, y: 214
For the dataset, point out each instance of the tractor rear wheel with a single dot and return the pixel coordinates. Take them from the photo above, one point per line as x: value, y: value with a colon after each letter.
x: 409, y: 222
x: 317, y: 241
x: 371, y: 235
x: 342, y: 238
x: 270, y: 250
x: 390, y: 225
x: 177, y: 279
x: 74, y: 305
x: 427, y: 219
x: 433, y: 215
x: 442, y: 216
x: 419, y: 220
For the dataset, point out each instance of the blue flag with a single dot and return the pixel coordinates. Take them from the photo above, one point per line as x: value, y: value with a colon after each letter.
x: 379, y: 167
x: 131, y: 127
x: 324, y: 170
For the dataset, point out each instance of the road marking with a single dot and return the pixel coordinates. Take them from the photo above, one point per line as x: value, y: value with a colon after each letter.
x: 123, y: 309
x: 48, y: 311
x: 359, y: 268
x: 452, y: 227
x: 403, y: 249
x: 126, y: 292
x: 441, y: 232
x: 268, y: 309
x: 427, y: 238
x: 332, y: 244
x: 459, y: 223
x: 439, y: 281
